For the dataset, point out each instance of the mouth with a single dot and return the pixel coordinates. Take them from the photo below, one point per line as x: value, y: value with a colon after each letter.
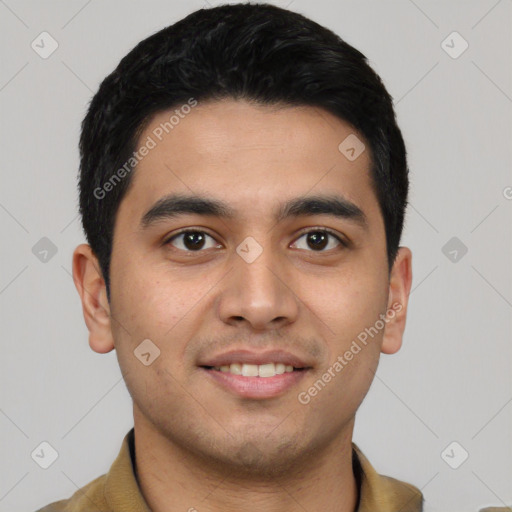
x: 256, y: 376
x: 264, y: 371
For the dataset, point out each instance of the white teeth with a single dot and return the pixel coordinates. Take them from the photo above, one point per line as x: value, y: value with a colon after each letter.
x: 236, y: 369
x: 267, y: 370
x: 250, y: 370
x: 256, y: 370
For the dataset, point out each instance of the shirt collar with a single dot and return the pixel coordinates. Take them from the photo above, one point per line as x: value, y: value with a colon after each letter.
x: 380, y: 492
x: 122, y: 490
x: 377, y: 492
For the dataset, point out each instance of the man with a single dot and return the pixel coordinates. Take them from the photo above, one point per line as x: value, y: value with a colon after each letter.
x: 243, y: 185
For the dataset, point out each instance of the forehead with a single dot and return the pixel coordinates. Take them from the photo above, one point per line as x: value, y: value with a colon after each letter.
x: 249, y: 155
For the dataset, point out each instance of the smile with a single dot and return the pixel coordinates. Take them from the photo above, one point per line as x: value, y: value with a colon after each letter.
x: 256, y: 370
x: 255, y: 381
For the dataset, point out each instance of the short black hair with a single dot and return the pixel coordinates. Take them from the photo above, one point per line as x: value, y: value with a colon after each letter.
x: 256, y: 52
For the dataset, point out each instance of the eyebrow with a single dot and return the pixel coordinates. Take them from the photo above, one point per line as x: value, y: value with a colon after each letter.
x: 174, y: 205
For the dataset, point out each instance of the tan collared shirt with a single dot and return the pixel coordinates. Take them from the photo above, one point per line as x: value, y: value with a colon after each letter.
x: 118, y: 490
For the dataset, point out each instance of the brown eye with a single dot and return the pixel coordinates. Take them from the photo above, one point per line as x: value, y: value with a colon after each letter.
x: 319, y: 239
x: 191, y: 240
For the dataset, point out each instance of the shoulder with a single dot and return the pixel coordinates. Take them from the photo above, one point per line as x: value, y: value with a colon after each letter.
x: 409, y: 496
x: 89, y: 497
x: 382, y: 492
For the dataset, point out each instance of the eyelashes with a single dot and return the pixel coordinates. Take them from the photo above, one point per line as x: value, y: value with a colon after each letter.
x: 203, y: 236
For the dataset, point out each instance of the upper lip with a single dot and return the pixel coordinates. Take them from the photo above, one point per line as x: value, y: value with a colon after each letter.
x: 250, y: 357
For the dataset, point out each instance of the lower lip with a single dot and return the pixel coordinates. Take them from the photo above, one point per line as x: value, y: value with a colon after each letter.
x: 256, y: 387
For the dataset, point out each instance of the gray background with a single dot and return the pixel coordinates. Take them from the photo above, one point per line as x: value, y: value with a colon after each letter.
x: 452, y: 379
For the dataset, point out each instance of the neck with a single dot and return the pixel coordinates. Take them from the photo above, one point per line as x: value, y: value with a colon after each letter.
x: 173, y: 478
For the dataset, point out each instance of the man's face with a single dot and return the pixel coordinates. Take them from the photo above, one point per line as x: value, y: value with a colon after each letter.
x: 247, y: 285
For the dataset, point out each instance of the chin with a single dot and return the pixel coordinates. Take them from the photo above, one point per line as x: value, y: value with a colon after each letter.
x: 260, y: 460
x: 255, y: 455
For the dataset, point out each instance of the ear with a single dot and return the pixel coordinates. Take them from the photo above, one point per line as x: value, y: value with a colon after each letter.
x: 92, y: 290
x: 399, y: 289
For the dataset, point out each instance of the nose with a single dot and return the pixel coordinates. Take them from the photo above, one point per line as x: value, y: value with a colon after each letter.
x: 259, y: 293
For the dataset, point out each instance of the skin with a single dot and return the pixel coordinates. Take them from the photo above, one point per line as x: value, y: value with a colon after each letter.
x: 198, y: 445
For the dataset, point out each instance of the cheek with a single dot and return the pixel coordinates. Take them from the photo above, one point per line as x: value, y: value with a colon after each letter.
x: 355, y: 346
x: 150, y: 311
x: 348, y: 302
x: 150, y: 301
x: 339, y: 393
